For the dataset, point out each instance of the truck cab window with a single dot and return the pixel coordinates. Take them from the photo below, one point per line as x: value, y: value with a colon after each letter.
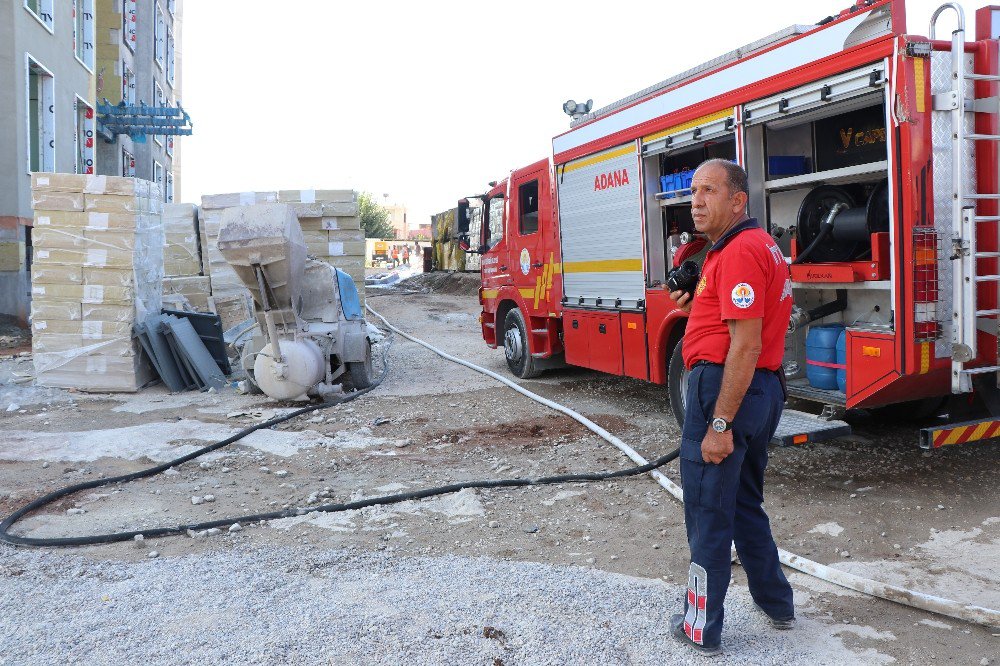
x: 495, y: 232
x: 527, y: 196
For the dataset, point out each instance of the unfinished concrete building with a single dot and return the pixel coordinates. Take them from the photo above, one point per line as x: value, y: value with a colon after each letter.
x: 46, y: 72
x: 59, y: 59
x: 137, y: 62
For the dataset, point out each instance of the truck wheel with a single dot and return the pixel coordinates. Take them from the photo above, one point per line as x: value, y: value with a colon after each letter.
x: 677, y: 376
x: 358, y: 375
x: 515, y: 346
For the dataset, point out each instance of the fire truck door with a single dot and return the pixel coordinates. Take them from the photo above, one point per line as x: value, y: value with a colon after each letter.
x: 528, y: 267
x: 495, y: 262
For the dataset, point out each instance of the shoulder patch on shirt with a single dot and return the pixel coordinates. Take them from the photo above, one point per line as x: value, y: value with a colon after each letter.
x: 743, y: 295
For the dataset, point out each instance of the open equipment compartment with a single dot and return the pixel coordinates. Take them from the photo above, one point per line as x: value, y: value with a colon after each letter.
x: 669, y: 159
x: 818, y: 157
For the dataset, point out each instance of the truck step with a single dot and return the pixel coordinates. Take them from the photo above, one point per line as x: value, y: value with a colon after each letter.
x: 540, y: 331
x: 798, y: 427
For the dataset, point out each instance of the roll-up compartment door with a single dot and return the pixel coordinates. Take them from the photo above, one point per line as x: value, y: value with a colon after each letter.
x: 713, y: 127
x: 857, y: 85
x: 600, y: 221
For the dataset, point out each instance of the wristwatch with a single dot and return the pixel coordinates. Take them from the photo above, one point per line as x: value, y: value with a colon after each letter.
x: 720, y: 424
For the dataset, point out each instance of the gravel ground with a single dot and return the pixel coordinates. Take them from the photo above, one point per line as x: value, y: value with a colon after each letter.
x: 281, y: 605
x: 578, y: 573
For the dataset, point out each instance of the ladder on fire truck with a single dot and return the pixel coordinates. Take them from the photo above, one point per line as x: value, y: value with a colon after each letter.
x: 965, y: 217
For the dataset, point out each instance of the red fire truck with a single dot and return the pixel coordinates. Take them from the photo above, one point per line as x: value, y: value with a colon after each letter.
x: 873, y: 159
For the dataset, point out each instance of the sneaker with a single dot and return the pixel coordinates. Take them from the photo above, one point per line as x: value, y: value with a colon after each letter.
x: 677, y: 631
x: 783, y: 625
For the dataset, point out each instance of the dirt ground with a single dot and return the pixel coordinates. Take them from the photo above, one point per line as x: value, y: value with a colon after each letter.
x: 873, y: 504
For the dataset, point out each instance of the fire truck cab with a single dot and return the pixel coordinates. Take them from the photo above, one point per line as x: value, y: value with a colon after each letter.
x: 872, y: 156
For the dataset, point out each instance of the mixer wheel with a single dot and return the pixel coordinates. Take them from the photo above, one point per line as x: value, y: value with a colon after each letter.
x: 359, y: 374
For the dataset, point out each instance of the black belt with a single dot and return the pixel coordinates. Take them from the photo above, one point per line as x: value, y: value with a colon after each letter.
x: 780, y: 373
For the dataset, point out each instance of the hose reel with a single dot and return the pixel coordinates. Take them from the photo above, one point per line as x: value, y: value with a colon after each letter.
x: 833, y: 228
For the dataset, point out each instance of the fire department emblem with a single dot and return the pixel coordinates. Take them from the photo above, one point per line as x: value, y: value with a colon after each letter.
x: 743, y: 295
x: 525, y: 261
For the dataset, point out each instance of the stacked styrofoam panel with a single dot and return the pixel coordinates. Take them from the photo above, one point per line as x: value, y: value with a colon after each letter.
x: 192, y: 291
x: 224, y: 278
x: 183, y: 282
x: 97, y: 267
x: 330, y: 225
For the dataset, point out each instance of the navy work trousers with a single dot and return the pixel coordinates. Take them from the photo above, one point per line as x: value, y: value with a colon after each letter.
x: 722, y: 504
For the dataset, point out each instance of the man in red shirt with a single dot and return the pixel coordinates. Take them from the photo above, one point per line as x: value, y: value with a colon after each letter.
x: 733, y: 347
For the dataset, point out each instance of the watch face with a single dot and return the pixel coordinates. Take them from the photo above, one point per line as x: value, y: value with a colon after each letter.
x: 719, y: 425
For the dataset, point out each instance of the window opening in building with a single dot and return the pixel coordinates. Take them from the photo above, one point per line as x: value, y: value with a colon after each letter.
x: 128, y: 84
x: 41, y: 10
x: 158, y: 177
x: 130, y: 19
x: 83, y: 31
x: 159, y: 40
x: 41, y: 118
x: 527, y: 196
x: 158, y: 100
x: 84, y: 138
x: 170, y: 188
x: 170, y: 58
x: 496, y: 221
x: 128, y: 164
x: 170, y: 146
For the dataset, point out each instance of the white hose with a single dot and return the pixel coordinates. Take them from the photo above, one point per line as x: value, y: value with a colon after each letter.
x: 928, y: 602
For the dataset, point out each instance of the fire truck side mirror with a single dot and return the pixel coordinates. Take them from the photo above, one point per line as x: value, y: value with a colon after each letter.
x: 465, y: 245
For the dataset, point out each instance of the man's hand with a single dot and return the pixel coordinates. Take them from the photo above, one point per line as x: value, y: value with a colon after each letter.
x: 716, y: 446
x: 682, y: 299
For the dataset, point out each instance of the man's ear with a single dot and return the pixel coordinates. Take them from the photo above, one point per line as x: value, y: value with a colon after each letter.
x: 740, y: 204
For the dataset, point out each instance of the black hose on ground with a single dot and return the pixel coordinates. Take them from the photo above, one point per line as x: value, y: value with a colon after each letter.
x: 9, y: 522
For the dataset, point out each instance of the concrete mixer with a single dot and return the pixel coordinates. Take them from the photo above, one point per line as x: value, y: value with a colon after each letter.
x: 315, y: 334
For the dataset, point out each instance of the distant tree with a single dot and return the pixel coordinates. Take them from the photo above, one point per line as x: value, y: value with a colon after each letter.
x: 374, y: 218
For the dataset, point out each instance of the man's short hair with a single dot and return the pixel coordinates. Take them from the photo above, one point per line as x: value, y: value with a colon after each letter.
x: 736, y: 177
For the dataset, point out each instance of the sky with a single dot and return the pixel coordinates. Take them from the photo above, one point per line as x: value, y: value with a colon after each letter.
x: 422, y: 103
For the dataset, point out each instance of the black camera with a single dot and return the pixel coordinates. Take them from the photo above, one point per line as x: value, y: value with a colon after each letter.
x: 684, y: 277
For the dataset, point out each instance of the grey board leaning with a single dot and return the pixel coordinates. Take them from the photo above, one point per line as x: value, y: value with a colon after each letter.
x: 183, y: 365
x: 159, y: 351
x: 193, y: 351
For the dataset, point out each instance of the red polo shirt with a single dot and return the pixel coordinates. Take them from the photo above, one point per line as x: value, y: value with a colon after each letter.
x: 744, y: 276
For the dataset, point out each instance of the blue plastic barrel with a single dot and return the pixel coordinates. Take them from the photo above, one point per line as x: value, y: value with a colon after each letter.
x: 842, y: 361
x: 821, y: 356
